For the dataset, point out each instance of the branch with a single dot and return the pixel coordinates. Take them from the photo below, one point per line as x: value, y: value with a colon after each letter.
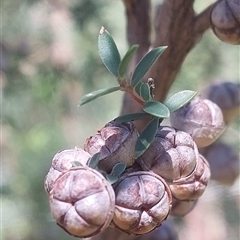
x: 138, y: 24
x: 202, y: 20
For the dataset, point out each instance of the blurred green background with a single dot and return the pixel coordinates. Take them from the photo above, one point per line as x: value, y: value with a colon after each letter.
x: 49, y: 59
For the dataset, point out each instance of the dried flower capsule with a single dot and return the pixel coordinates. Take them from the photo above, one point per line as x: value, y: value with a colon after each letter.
x: 202, y: 119
x: 143, y: 201
x: 63, y: 161
x: 172, y: 154
x: 182, y: 208
x: 82, y: 202
x: 193, y: 186
x: 227, y: 96
x: 116, y: 142
x: 165, y: 232
x: 224, y: 162
x: 226, y: 21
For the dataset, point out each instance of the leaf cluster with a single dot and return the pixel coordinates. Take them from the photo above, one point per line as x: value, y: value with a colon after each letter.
x: 141, y: 91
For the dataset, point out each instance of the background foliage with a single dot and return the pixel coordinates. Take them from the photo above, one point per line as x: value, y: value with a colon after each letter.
x: 49, y: 59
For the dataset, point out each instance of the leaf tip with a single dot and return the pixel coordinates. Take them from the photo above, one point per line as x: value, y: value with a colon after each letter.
x: 102, y: 31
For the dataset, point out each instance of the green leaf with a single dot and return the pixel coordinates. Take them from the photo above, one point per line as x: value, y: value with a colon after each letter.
x: 137, y: 88
x: 131, y: 117
x: 156, y: 109
x: 145, y: 92
x: 146, y: 137
x: 126, y: 60
x: 98, y: 93
x: 112, y: 179
x: 108, y: 51
x: 93, y: 161
x: 118, y: 169
x: 76, y: 164
x: 179, y: 99
x: 145, y: 64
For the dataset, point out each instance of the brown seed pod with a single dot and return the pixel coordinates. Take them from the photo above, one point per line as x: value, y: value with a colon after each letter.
x: 182, y: 208
x: 224, y: 162
x: 193, y: 186
x: 225, y: 21
x: 82, y: 202
x: 63, y: 161
x: 202, y: 119
x: 172, y: 154
x: 165, y: 232
x: 116, y: 142
x: 143, y: 201
x: 227, y: 96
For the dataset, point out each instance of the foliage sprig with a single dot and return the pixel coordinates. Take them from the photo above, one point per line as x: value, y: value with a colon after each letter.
x: 141, y: 91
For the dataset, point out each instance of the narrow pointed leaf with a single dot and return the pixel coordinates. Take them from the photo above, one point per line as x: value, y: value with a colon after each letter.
x: 137, y: 88
x: 98, y: 93
x: 179, y: 99
x: 146, y: 63
x: 108, y: 51
x: 156, y: 109
x: 131, y: 117
x: 145, y: 92
x: 118, y: 169
x: 93, y: 161
x: 126, y: 60
x: 146, y: 137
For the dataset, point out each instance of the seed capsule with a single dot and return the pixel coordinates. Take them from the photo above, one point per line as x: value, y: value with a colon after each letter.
x: 143, y: 201
x: 224, y: 162
x: 202, y: 119
x: 172, y: 154
x: 182, y: 208
x: 193, y: 186
x: 225, y: 19
x: 63, y: 161
x: 82, y: 202
x: 227, y: 96
x: 116, y: 143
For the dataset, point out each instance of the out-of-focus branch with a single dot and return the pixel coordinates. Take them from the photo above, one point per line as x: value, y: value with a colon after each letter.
x: 138, y: 24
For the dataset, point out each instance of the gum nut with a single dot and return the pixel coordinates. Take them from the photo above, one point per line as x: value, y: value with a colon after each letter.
x: 231, y: 36
x: 227, y: 96
x: 143, y: 201
x: 193, y: 186
x: 165, y: 232
x: 116, y: 143
x: 224, y: 162
x: 234, y: 5
x: 221, y: 16
x: 172, y: 154
x: 182, y: 208
x: 82, y: 202
x: 202, y: 119
x: 62, y: 162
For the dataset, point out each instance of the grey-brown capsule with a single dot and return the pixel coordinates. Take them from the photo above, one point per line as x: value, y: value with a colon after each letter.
x: 116, y: 143
x: 193, y: 186
x: 225, y: 19
x: 202, y: 119
x: 224, y: 162
x: 227, y: 96
x: 143, y: 201
x: 172, y: 154
x: 63, y: 161
x: 182, y: 208
x: 82, y: 202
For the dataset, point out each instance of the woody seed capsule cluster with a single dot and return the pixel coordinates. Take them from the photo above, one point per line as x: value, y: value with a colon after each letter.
x: 84, y: 203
